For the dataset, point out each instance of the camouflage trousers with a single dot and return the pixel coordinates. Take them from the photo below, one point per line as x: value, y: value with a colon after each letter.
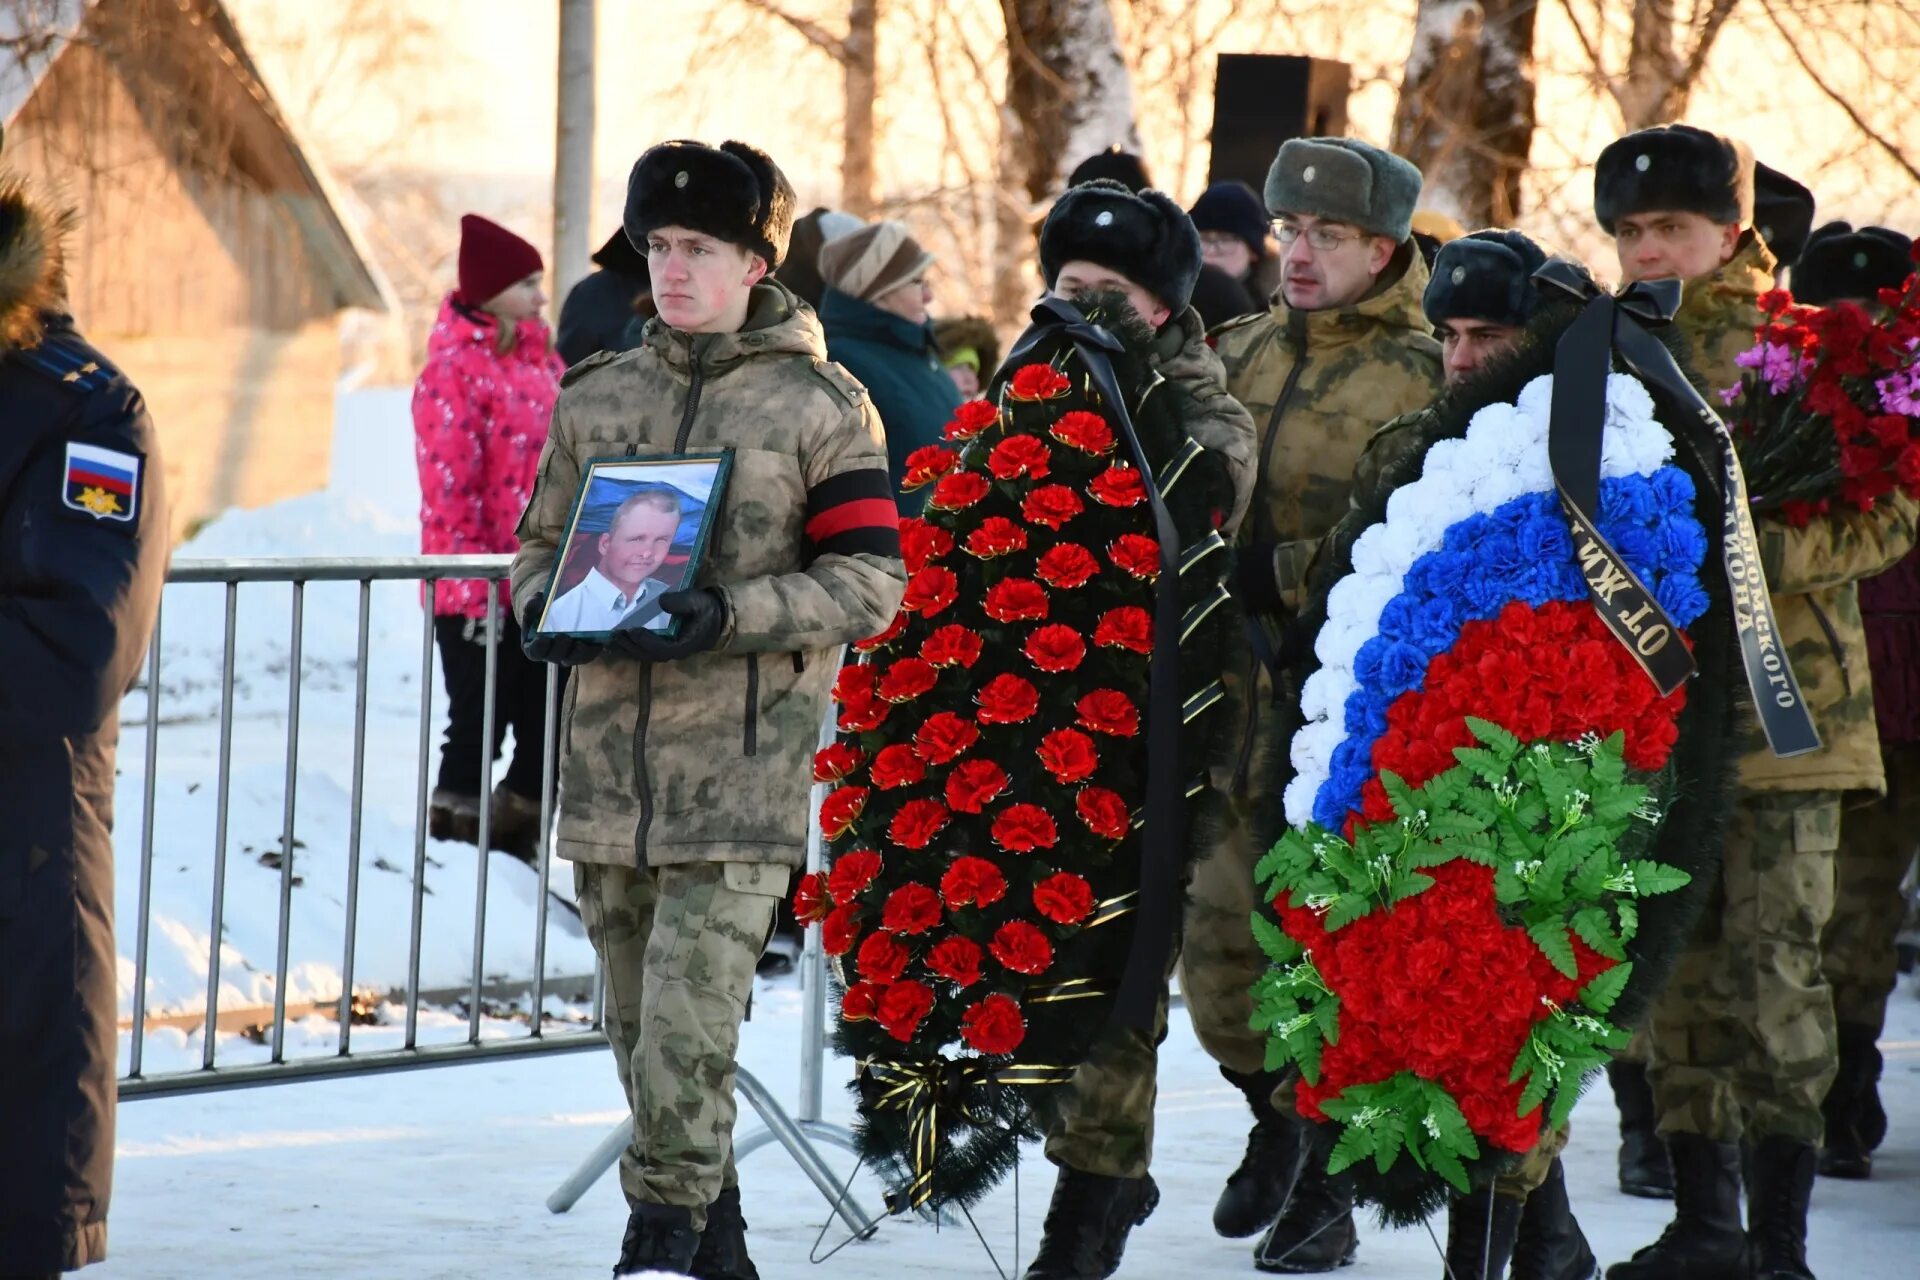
x: 1880, y: 840
x: 679, y: 945
x: 1743, y: 1036
x: 1531, y: 1172
x: 1102, y: 1120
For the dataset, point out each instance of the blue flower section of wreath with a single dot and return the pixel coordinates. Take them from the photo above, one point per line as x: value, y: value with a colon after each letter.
x: 1520, y: 551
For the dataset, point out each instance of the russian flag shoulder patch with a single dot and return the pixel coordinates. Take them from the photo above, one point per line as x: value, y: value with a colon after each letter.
x: 104, y: 483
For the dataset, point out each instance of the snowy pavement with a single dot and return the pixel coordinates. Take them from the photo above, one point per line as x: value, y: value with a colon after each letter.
x: 444, y: 1173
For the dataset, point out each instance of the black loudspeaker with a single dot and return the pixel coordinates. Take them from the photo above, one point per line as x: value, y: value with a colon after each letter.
x: 1262, y: 99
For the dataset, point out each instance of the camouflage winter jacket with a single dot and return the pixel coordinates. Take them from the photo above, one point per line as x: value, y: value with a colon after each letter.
x: 1216, y: 420
x: 1318, y: 385
x: 1811, y: 572
x: 708, y: 759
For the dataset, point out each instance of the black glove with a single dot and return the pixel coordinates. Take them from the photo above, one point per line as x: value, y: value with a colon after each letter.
x: 1253, y: 585
x: 561, y: 650
x: 703, y: 620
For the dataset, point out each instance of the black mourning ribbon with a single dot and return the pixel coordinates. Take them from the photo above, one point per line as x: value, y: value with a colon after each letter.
x: 1617, y: 324
x: 1136, y: 1004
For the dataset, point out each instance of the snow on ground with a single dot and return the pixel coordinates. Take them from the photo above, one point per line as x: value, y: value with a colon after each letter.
x: 444, y: 1173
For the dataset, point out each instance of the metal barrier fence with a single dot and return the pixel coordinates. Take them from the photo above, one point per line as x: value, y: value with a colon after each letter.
x: 298, y: 573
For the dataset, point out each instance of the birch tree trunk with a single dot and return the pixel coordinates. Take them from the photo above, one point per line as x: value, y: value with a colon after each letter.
x: 1466, y: 109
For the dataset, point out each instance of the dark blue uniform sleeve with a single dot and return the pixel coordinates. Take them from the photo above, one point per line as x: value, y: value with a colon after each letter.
x: 78, y: 590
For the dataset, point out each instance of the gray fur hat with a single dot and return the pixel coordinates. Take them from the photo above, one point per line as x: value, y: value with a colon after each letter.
x: 1346, y: 181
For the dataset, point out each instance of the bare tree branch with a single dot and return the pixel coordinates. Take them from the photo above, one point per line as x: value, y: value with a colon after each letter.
x: 1879, y: 139
x: 816, y: 35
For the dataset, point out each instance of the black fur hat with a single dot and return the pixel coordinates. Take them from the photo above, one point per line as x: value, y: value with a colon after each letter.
x: 1115, y: 165
x: 732, y: 192
x: 1841, y: 262
x: 1674, y: 168
x: 1146, y: 237
x: 1485, y: 276
x: 1782, y: 213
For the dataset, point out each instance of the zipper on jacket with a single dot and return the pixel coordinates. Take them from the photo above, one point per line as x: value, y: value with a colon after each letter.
x: 1833, y: 643
x: 693, y: 396
x: 642, y: 783
x: 750, y: 743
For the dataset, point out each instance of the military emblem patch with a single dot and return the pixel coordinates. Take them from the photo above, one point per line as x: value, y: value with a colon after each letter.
x: 104, y: 483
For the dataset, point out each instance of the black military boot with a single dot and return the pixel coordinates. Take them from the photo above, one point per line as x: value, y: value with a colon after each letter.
x: 660, y: 1237
x: 1087, y: 1224
x: 1257, y: 1190
x: 1315, y: 1232
x: 1780, y: 1184
x: 1855, y: 1121
x: 1551, y: 1245
x: 722, y: 1254
x: 1644, y: 1168
x: 452, y: 816
x: 1705, y: 1240
x: 1480, y: 1233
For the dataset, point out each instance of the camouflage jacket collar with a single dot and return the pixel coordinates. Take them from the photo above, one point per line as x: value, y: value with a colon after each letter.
x: 1736, y: 287
x: 1393, y: 307
x: 778, y: 323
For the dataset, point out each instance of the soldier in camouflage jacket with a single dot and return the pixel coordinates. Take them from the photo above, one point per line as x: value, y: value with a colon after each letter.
x: 685, y: 760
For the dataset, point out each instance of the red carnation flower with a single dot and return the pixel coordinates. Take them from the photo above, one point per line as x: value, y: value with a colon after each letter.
x: 971, y: 418
x: 897, y: 766
x: 959, y: 490
x: 901, y: 1007
x: 1109, y: 711
x: 951, y: 645
x: 1007, y: 699
x: 1063, y: 898
x: 1104, y: 812
x: 1018, y: 456
x: 1137, y: 554
x: 1056, y: 648
x: 1038, y: 382
x: 1022, y: 828
x: 840, y: 928
x: 1067, y: 565
x: 930, y: 590
x: 917, y: 823
x: 855, y: 682
x: 1068, y: 755
x: 908, y: 679
x: 975, y: 784
x: 957, y: 960
x: 1128, y: 627
x: 810, y: 901
x: 852, y: 871
x: 945, y: 737
x: 832, y: 763
x: 926, y: 464
x: 858, y: 1003
x: 1051, y: 505
x: 994, y: 1025
x: 1022, y: 948
x: 912, y: 908
x: 840, y: 808
x: 996, y: 536
x: 1119, y: 486
x: 1016, y: 600
x: 922, y: 543
x: 882, y: 958
x: 972, y: 881
x: 1087, y: 432
x: 863, y: 715
x: 884, y: 638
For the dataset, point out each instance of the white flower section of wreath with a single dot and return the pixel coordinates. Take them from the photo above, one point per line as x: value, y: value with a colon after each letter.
x: 1502, y: 457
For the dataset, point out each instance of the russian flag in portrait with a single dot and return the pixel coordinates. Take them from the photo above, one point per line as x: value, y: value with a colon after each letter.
x: 104, y: 483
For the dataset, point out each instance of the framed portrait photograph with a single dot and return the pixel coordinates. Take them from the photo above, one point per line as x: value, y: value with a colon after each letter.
x: 638, y: 529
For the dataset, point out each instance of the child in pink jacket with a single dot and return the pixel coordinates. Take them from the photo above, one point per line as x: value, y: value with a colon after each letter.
x: 480, y: 412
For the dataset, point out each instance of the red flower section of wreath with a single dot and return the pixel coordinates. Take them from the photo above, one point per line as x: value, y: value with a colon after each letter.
x: 994, y: 1025
x: 972, y: 882
x: 997, y: 537
x: 882, y: 958
x: 1055, y: 648
x: 895, y: 766
x: 901, y: 1008
x: 1137, y: 554
x: 1442, y: 987
x: 1547, y: 674
x: 1016, y: 600
x: 1052, y: 506
x: 1008, y: 699
x: 975, y: 784
x: 832, y: 763
x: 952, y: 646
x: 1038, y: 382
x: 1108, y: 711
x: 1018, y: 456
x: 1068, y: 755
x: 959, y: 490
x: 883, y: 639
x: 970, y: 419
x: 1022, y: 948
x: 927, y: 464
x: 907, y: 679
x: 1085, y: 431
x: 1063, y: 898
x: 945, y: 737
x: 930, y: 590
x: 1128, y: 627
x: 957, y: 960
x: 912, y: 908
x: 922, y: 543
x: 1104, y: 812
x: 917, y: 823
x: 1024, y: 827
x: 1067, y: 565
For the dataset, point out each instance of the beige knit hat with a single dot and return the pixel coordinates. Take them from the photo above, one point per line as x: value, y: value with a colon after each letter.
x: 873, y: 261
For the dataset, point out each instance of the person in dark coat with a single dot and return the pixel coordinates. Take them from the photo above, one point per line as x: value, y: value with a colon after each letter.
x: 598, y: 310
x: 875, y: 315
x: 800, y: 270
x: 83, y: 555
x: 1236, y: 236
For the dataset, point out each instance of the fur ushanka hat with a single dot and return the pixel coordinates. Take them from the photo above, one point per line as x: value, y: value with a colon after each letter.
x: 1485, y: 276
x: 1841, y: 261
x: 1345, y: 180
x: 732, y: 192
x: 1674, y: 168
x: 1146, y: 237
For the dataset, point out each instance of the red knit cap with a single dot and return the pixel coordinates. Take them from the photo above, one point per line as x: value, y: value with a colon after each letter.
x: 491, y: 259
